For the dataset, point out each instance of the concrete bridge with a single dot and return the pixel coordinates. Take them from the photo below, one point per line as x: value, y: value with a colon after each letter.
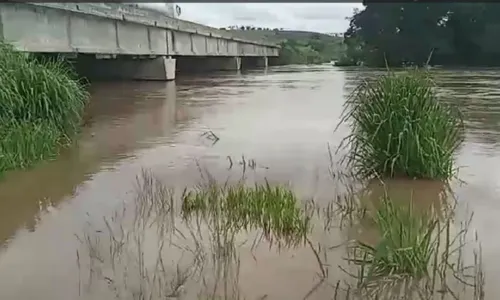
x: 118, y: 41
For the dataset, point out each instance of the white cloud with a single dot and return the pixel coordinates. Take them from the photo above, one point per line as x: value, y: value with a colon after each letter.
x: 320, y: 17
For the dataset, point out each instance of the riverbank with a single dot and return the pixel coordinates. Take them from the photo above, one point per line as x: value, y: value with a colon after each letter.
x: 41, y: 107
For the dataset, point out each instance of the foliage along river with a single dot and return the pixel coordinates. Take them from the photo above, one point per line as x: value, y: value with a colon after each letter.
x: 282, y: 117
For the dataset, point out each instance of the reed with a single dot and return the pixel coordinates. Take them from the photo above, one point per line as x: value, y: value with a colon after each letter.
x: 23, y: 144
x: 400, y: 129
x: 406, y: 246
x: 274, y: 209
x: 41, y: 107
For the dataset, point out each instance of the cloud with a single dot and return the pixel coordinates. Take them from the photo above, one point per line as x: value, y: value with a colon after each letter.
x: 320, y: 17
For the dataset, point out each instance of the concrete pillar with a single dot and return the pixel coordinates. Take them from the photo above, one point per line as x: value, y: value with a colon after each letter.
x: 127, y: 68
x: 160, y: 68
x: 262, y: 62
x: 230, y: 64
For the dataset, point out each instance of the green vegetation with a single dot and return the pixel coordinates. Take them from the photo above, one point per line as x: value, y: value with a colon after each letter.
x: 416, y: 255
x: 307, y: 52
x: 298, y: 47
x: 405, y: 33
x: 400, y: 129
x: 313, y: 50
x: 40, y: 108
x: 272, y: 209
x: 406, y: 247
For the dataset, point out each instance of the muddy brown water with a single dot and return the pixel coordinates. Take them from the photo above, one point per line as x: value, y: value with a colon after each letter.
x: 282, y: 117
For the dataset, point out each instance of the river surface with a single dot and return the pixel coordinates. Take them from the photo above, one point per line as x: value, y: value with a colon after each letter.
x: 282, y: 117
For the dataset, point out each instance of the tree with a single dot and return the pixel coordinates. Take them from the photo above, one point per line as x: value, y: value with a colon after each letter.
x: 401, y: 33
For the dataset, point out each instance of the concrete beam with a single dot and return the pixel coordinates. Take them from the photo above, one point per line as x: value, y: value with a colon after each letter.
x: 126, y: 68
x: 120, y: 11
x: 189, y: 64
x: 115, y: 29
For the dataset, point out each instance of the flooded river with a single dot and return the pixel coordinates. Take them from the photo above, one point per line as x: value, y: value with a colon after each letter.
x: 283, y: 118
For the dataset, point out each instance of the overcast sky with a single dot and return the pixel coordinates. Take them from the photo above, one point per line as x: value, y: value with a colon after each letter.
x: 320, y: 17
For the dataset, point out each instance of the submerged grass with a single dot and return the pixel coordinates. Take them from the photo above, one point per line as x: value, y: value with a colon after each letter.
x: 158, y: 255
x: 406, y: 246
x: 41, y: 107
x: 400, y: 129
x: 274, y: 209
x: 417, y: 255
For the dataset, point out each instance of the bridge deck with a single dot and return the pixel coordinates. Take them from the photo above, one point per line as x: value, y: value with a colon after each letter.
x: 116, y: 29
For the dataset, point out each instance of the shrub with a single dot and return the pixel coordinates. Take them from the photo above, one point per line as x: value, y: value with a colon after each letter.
x: 41, y: 106
x: 400, y: 129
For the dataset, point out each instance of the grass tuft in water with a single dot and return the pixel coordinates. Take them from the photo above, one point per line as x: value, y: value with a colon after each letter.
x: 157, y: 257
x: 274, y: 209
x: 41, y: 107
x: 400, y: 129
x: 406, y: 247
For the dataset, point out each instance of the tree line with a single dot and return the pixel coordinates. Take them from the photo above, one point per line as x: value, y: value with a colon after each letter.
x: 314, y: 49
x: 408, y: 33
x: 298, y: 47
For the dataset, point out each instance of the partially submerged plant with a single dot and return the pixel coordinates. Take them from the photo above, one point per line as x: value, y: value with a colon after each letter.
x: 406, y: 246
x: 154, y: 255
x: 400, y: 129
x: 274, y: 209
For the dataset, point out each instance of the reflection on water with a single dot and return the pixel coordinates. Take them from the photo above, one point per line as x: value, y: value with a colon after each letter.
x: 282, y: 118
x: 120, y: 121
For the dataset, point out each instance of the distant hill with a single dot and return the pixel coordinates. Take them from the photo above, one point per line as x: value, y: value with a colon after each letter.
x: 281, y: 35
x: 297, y: 47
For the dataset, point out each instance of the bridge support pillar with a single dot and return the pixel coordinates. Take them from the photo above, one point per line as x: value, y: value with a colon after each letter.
x: 255, y: 62
x: 230, y: 64
x: 126, y: 68
x: 262, y: 62
x: 159, y: 68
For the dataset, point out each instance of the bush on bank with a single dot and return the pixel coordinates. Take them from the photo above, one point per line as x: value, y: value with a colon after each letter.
x: 400, y: 129
x: 41, y: 107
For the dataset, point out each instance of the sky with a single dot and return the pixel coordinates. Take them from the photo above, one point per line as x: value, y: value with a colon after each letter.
x: 319, y: 17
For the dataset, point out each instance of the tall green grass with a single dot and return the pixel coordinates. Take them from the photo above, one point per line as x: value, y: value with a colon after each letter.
x: 400, y: 129
x: 407, y: 243
x: 41, y: 107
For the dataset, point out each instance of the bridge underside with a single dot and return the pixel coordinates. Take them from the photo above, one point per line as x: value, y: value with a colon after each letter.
x: 198, y: 64
x: 126, y: 67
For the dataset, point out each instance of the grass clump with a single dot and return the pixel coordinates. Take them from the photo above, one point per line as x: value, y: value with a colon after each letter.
x: 406, y: 247
x: 273, y: 209
x: 400, y: 129
x: 41, y: 107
